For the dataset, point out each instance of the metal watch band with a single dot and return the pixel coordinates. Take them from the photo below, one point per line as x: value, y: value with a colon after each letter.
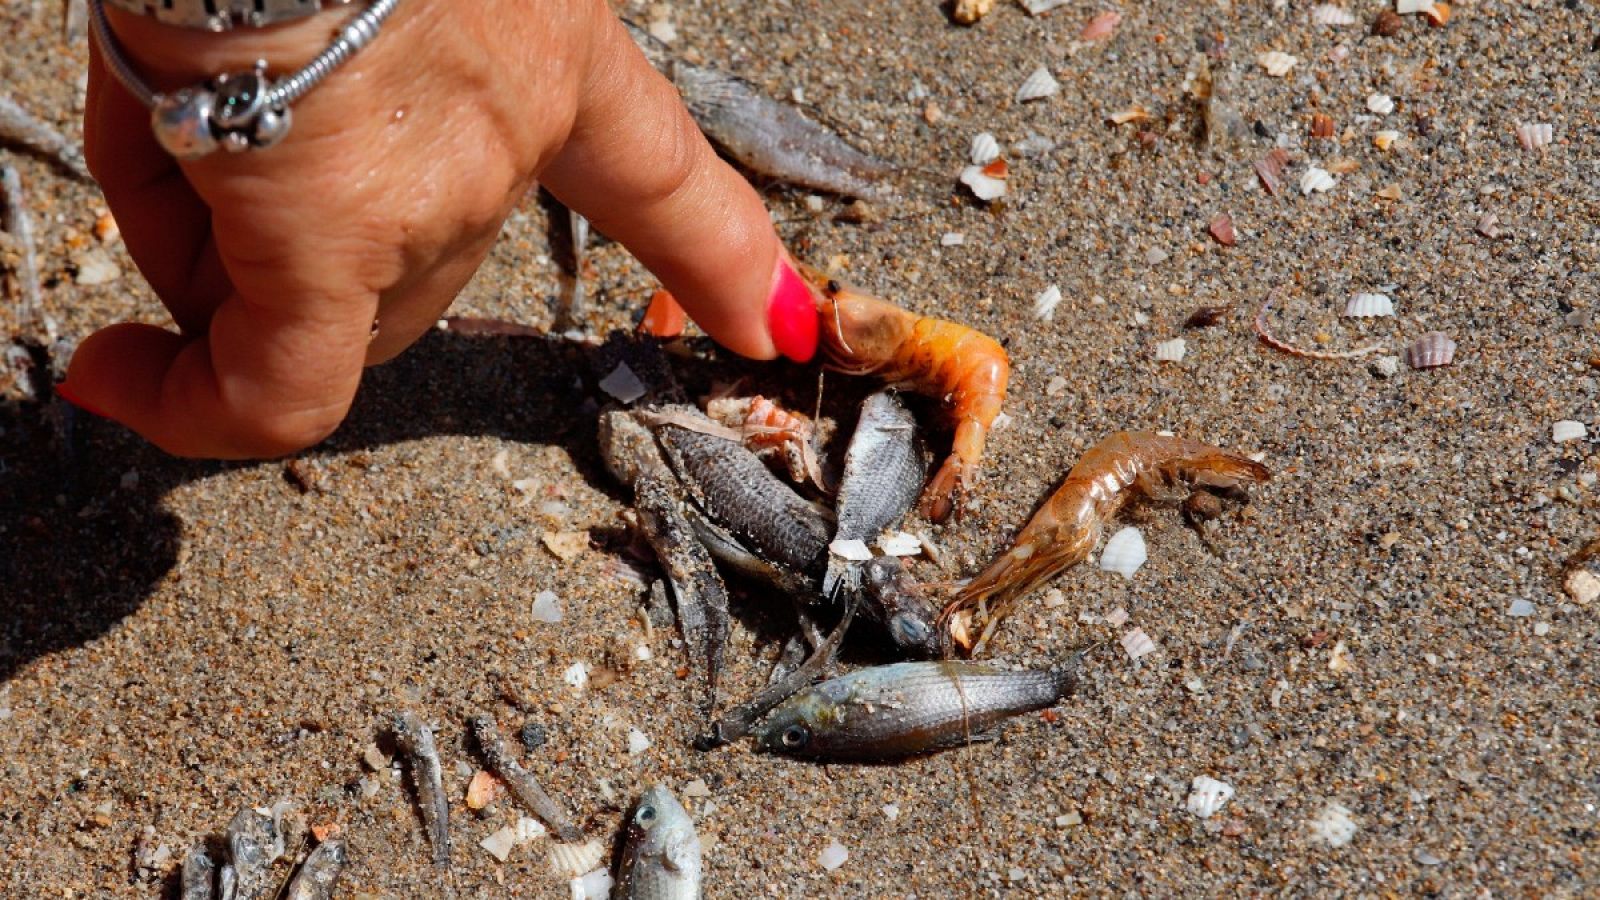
x: 221, y: 15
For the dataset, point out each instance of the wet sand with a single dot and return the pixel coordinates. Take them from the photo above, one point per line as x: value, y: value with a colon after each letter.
x: 183, y: 639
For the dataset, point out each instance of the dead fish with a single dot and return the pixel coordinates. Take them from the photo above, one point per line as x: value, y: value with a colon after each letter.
x: 198, y: 880
x: 254, y: 844
x: 737, y: 490
x: 884, y: 468
x: 698, y: 593
x: 661, y: 854
x: 764, y: 135
x: 897, y: 602
x: 317, y: 874
x: 427, y: 774
x: 17, y: 225
x: 904, y: 709
x: 20, y: 128
x: 520, y: 781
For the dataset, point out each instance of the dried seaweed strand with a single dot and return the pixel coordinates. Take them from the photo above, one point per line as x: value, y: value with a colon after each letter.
x: 1285, y: 347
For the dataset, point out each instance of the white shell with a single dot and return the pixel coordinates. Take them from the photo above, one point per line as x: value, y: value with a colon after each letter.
x: 900, y: 544
x: 1328, y: 14
x: 1044, y: 305
x: 833, y: 856
x: 1315, y: 180
x: 499, y: 843
x: 576, y: 676
x: 1277, y: 64
x: 952, y: 239
x: 1124, y: 553
x: 594, y: 885
x: 546, y: 607
x: 983, y: 186
x: 1383, y: 140
x: 1431, y: 351
x: 1334, y: 825
x: 1365, y: 306
x: 1040, y: 7
x: 985, y: 149
x: 1387, y: 366
x: 1137, y: 643
x: 1568, y: 430
x: 638, y: 742
x: 573, y: 860
x: 1583, y: 586
x: 529, y: 829
x: 1533, y: 136
x: 1207, y: 795
x: 1412, y: 7
x: 1520, y: 608
x: 1037, y: 86
x: 1382, y: 104
x: 1171, y: 351
x: 623, y: 384
x: 853, y: 550
x: 1117, y: 617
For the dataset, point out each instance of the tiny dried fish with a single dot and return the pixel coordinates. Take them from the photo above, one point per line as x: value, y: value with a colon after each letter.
x: 660, y: 851
x: 765, y: 136
x: 317, y: 874
x: 198, y: 879
x: 20, y: 128
x: 521, y: 781
x: 15, y: 221
x: 1285, y: 347
x: 415, y: 740
x: 898, y: 710
x: 254, y: 844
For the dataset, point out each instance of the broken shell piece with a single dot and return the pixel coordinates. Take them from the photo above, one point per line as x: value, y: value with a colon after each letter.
x: 1583, y: 586
x: 984, y: 150
x: 900, y: 544
x: 1488, y: 226
x: 1277, y: 64
x: 1207, y: 795
x: 1221, y: 228
x: 1322, y: 125
x: 1364, y: 306
x: 481, y: 791
x: 1339, y: 660
x: 1171, y: 351
x: 1315, y: 180
x: 1383, y: 140
x: 1037, y: 86
x: 1131, y: 114
x: 546, y: 607
x: 1124, y: 553
x: 1431, y: 351
x: 1328, y: 14
x: 499, y: 844
x: 853, y: 550
x: 966, y: 12
x: 1044, y: 305
x: 1101, y: 27
x: 1411, y: 7
x: 1270, y: 168
x: 1334, y: 825
x: 984, y: 186
x: 1535, y: 136
x: 572, y: 860
x: 1437, y: 14
x: 1386, y: 366
x: 1568, y: 430
x: 1382, y: 104
x: 1137, y: 644
x: 1040, y: 7
x: 1342, y: 166
x: 833, y: 856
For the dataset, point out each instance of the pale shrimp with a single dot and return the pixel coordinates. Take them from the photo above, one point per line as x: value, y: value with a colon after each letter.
x: 765, y: 427
x: 963, y: 367
x: 1064, y: 530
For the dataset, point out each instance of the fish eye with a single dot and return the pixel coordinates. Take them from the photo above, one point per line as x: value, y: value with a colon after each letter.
x: 833, y: 286
x: 795, y: 737
x: 645, y: 815
x: 908, y: 631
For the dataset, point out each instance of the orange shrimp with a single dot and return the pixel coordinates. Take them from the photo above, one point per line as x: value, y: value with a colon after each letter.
x: 1064, y: 530
x: 965, y: 368
x: 764, y: 426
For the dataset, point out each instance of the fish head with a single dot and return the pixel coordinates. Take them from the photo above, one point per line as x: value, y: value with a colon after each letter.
x: 909, y: 615
x: 800, y: 725
x: 660, y: 828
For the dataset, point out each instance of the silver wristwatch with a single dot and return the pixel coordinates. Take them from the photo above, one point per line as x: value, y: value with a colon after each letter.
x: 220, y: 15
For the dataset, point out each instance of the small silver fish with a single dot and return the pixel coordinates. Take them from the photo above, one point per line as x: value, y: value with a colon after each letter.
x: 764, y: 135
x: 254, y: 844
x: 20, y: 128
x: 521, y: 781
x: 905, y: 709
x: 884, y: 468
x: 317, y: 874
x: 427, y: 774
x: 198, y: 880
x: 661, y: 854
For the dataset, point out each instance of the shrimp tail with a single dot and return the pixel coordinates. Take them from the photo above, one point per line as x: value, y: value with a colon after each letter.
x: 939, y: 497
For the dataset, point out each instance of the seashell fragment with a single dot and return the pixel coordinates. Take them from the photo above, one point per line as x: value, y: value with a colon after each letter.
x: 984, y: 186
x: 1383, y: 140
x: 1381, y: 104
x: 1342, y: 166
x: 984, y: 150
x: 952, y: 239
x: 1386, y: 366
x: 1131, y: 114
x: 1207, y: 795
x: 1270, y: 168
x: 1321, y: 125
x: 1583, y: 586
x: 853, y: 550
x: 1328, y: 14
x: 900, y: 544
x: 1431, y: 351
x: 1168, y: 352
x: 499, y: 843
x: 1044, y: 305
x: 833, y: 856
x: 1437, y: 14
x: 1037, y: 86
x: 1315, y: 180
x: 1124, y: 553
x: 1221, y: 228
x: 1366, y: 306
x: 967, y: 12
x: 1334, y: 826
x: 1411, y: 7
x: 1391, y: 192
x: 481, y: 791
x: 1488, y: 225
x: 1276, y: 63
x: 1137, y: 644
x: 623, y: 384
x: 1535, y: 136
x: 1040, y: 7
x: 572, y: 860
x: 1568, y: 430
x: 1101, y: 27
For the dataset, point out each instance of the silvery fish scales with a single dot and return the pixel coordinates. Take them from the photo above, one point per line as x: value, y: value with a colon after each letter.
x: 884, y: 468
x: 661, y: 855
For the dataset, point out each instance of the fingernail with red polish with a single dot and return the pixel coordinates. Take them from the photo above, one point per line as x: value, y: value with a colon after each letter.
x: 792, y: 314
x: 66, y: 394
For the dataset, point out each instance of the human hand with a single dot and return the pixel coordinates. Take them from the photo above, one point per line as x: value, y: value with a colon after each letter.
x: 384, y: 199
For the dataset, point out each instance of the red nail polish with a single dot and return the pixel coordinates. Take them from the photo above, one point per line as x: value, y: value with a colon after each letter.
x: 66, y: 394
x: 792, y: 314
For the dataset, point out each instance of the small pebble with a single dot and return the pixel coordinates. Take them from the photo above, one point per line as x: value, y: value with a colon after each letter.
x: 95, y: 267
x: 1583, y: 586
x: 638, y: 742
x: 833, y: 856
x: 1334, y: 826
x: 891, y: 811
x: 1520, y: 608
x: 696, y: 789
x: 533, y: 736
x: 546, y: 607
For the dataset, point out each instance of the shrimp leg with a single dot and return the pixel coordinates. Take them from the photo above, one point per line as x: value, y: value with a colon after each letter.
x: 1064, y: 530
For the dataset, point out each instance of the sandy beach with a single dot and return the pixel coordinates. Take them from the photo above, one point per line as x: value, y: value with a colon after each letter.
x: 1377, y: 654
